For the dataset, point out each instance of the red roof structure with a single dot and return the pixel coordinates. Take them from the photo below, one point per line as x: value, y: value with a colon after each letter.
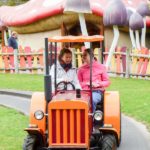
x: 34, y: 10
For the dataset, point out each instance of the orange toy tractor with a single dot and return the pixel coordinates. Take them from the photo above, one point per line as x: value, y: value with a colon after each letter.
x: 64, y: 119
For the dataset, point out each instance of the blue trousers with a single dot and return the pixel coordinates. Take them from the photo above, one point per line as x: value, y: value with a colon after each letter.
x: 97, y: 97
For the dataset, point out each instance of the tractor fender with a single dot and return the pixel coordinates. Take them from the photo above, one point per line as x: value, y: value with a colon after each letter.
x: 38, y: 133
x: 112, y: 114
x: 38, y: 102
x: 110, y: 131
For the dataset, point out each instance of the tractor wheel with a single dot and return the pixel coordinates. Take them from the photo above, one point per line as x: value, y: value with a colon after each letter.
x: 31, y: 143
x: 108, y: 142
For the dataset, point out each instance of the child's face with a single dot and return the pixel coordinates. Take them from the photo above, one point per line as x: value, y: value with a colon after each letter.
x: 67, y: 58
x: 86, y: 57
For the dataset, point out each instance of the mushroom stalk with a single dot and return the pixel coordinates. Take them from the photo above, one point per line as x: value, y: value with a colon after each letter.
x: 132, y: 38
x: 137, y: 40
x: 143, y: 33
x: 83, y: 28
x: 3, y: 40
x: 113, y: 45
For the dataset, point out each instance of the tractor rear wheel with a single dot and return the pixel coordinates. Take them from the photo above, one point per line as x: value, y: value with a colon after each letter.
x: 31, y: 143
x: 108, y: 142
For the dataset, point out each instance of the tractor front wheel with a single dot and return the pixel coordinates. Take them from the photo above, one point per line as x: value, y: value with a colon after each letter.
x: 108, y: 142
x: 32, y: 143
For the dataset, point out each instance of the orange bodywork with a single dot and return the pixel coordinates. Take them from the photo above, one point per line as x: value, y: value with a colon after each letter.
x: 38, y: 102
x: 68, y: 124
x: 112, y: 113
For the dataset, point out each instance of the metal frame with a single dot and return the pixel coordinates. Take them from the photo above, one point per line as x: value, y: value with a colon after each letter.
x: 48, y: 63
x: 47, y: 77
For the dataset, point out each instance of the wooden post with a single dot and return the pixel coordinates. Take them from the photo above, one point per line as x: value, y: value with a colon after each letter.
x: 97, y: 54
x: 100, y: 55
x: 127, y: 63
x: 74, y: 57
x: 79, y: 58
x: 16, y: 60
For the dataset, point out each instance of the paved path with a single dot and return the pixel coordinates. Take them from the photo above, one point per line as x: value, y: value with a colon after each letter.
x: 134, y: 135
x: 18, y: 103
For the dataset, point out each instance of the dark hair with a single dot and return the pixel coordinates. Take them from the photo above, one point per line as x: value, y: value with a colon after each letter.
x: 63, y: 52
x: 88, y: 51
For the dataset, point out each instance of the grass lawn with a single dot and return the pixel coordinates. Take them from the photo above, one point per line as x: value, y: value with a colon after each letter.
x: 21, y: 82
x: 12, y: 124
x: 134, y: 93
x: 134, y: 96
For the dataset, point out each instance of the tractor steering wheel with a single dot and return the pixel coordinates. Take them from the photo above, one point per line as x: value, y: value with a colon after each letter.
x: 65, y: 84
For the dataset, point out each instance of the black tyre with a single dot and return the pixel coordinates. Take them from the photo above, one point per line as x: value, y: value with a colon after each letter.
x: 32, y: 143
x: 108, y: 142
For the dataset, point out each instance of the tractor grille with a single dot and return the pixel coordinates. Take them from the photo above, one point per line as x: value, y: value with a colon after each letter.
x: 68, y: 127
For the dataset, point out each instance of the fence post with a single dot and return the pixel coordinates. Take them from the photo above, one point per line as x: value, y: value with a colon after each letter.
x: 74, y: 57
x: 127, y: 63
x: 100, y: 55
x: 16, y: 60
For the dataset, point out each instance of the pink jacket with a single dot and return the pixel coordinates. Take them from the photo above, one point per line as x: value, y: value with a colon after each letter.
x: 99, y: 75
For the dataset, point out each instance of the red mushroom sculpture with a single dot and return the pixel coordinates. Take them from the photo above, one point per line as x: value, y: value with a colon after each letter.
x: 79, y: 7
x: 24, y: 18
x: 43, y: 16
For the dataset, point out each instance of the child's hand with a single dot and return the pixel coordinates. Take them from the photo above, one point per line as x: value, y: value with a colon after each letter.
x: 67, y: 80
x: 96, y: 85
x: 88, y: 83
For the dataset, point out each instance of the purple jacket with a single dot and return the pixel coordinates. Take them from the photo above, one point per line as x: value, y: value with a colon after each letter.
x: 99, y: 76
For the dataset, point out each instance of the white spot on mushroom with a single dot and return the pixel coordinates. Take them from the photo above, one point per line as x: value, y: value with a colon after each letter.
x: 97, y: 5
x: 19, y: 7
x: 130, y: 2
x: 33, y: 11
x: 32, y: 1
x: 48, y: 3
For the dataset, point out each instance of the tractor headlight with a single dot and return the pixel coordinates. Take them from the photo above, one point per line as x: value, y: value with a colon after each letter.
x: 39, y: 114
x: 98, y: 115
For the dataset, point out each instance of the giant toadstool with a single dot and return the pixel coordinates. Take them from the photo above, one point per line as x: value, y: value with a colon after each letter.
x: 136, y: 23
x: 114, y: 15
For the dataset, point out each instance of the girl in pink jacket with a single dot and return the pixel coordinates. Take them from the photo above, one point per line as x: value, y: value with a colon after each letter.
x: 100, y: 78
